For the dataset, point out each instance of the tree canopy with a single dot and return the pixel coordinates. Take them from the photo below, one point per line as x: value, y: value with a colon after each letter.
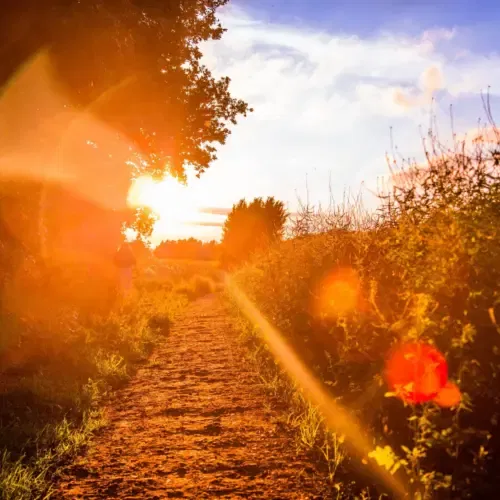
x: 134, y: 63
x: 251, y: 227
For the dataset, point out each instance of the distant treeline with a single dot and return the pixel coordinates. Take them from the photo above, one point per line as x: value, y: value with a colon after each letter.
x: 188, y: 249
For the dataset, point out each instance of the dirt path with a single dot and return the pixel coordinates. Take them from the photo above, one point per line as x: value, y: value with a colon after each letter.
x: 195, y: 424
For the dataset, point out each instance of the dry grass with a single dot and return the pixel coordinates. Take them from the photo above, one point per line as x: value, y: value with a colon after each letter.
x: 196, y: 287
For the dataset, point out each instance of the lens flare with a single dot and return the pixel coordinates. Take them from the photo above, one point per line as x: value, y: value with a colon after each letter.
x: 44, y: 138
x: 338, y: 418
x: 337, y: 294
x: 416, y: 372
x: 449, y: 396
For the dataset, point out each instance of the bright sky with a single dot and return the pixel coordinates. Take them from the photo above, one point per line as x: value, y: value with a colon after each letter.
x: 328, y: 80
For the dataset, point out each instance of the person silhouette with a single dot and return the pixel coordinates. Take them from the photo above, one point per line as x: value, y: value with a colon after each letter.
x: 125, y: 261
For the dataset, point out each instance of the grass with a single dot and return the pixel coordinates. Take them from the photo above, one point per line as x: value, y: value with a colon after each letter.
x: 179, y: 270
x: 196, y: 287
x: 57, y: 442
x: 309, y: 429
x: 425, y: 268
x: 55, y: 376
x: 192, y: 279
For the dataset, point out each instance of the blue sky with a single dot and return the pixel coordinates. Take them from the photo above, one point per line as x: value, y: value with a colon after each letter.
x: 369, y: 17
x: 328, y: 81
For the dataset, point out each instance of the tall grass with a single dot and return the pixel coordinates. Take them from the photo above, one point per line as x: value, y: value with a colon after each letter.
x: 428, y: 265
x: 55, y: 378
x: 190, y: 278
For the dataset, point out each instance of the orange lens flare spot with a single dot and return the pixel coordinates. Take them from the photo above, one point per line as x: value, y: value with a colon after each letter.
x: 449, y: 396
x: 417, y: 372
x: 337, y: 294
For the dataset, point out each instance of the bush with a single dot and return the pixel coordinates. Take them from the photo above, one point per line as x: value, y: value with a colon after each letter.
x: 196, y: 287
x: 250, y: 228
x: 427, y: 268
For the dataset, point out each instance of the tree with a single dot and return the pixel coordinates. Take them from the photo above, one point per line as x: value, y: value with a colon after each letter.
x: 143, y: 223
x: 134, y: 63
x: 252, y: 227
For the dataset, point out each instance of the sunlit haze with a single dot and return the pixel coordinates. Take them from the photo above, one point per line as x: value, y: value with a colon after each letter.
x: 326, y: 91
x: 183, y: 210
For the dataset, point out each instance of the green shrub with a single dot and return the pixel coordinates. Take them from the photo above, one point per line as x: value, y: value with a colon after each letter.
x: 428, y: 269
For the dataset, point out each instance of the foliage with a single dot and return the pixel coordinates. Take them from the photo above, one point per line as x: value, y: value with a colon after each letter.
x: 22, y: 480
x: 136, y: 64
x: 57, y: 371
x: 428, y: 267
x: 143, y: 223
x: 190, y: 248
x: 252, y: 227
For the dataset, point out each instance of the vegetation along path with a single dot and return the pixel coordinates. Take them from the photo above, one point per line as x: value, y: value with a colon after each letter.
x: 194, y: 423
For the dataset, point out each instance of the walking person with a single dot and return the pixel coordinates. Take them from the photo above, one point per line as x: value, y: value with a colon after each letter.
x: 125, y: 262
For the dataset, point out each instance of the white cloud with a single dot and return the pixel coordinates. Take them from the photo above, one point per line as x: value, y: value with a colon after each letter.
x: 431, y: 80
x: 324, y: 103
x: 436, y: 35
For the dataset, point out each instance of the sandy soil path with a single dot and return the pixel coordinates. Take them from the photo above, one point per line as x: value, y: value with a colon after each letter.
x: 194, y: 424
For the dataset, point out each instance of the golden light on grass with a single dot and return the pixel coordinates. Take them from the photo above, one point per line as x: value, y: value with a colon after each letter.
x: 338, y: 418
x: 337, y: 294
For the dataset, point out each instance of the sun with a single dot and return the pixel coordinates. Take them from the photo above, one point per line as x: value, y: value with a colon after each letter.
x: 170, y: 200
x: 183, y: 210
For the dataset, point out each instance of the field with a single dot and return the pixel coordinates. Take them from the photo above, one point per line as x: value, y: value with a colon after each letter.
x: 317, y: 314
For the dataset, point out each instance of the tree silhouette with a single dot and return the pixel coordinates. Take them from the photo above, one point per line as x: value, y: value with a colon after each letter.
x: 251, y: 227
x: 134, y: 63
x: 190, y: 248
